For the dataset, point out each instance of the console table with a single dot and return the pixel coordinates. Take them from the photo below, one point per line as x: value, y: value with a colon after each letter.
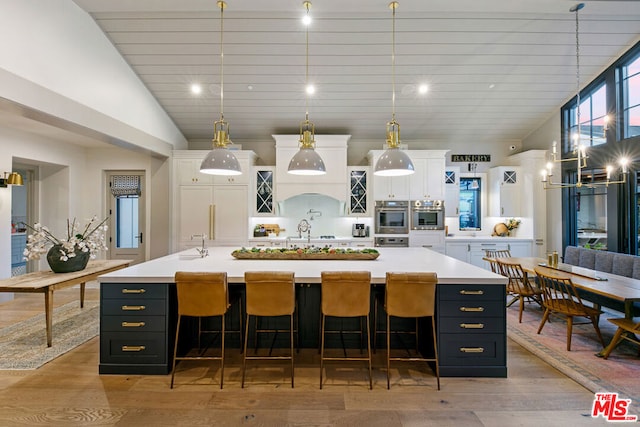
x: 45, y: 282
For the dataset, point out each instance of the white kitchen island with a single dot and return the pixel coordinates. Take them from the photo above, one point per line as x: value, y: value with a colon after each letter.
x: 138, y: 306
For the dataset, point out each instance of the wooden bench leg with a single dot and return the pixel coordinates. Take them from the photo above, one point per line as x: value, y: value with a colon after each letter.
x: 82, y: 285
x: 48, y: 313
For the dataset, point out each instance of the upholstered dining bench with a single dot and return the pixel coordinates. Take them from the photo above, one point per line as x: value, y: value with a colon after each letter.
x: 608, y: 262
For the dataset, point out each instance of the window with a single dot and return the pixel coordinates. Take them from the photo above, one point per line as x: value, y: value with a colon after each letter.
x: 591, y: 211
x: 593, y: 109
x: 631, y: 98
x: 470, y: 196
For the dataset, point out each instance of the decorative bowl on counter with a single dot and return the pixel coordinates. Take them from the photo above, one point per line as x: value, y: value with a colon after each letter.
x: 306, y: 254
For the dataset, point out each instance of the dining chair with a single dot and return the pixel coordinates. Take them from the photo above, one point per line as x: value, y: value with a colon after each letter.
x: 201, y: 295
x: 559, y: 296
x: 627, y: 330
x: 345, y: 294
x: 269, y: 294
x: 519, y: 285
x: 411, y: 295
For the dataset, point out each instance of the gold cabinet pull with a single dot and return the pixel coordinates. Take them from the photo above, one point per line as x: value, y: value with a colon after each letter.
x: 133, y: 348
x: 472, y: 325
x: 133, y: 324
x: 212, y: 222
x: 472, y: 349
x: 472, y: 309
x: 133, y: 291
x: 465, y: 292
x: 133, y: 307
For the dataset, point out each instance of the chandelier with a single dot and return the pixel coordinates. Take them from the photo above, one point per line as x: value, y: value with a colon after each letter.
x: 307, y: 161
x: 220, y: 160
x: 393, y: 162
x: 579, y: 149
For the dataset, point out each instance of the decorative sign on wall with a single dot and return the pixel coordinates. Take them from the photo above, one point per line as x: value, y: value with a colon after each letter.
x: 471, y: 158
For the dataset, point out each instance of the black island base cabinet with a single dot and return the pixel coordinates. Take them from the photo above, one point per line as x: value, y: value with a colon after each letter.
x: 137, y: 327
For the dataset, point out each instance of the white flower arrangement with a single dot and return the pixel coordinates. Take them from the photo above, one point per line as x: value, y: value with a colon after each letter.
x: 91, y: 239
x: 512, y: 223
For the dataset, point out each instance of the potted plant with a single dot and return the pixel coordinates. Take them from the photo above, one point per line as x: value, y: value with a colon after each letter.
x: 67, y: 254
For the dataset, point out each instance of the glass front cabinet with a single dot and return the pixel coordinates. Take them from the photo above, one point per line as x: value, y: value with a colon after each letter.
x: 359, y: 203
x: 264, y: 195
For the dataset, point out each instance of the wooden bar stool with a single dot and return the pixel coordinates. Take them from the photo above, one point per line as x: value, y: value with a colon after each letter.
x: 202, y: 295
x: 269, y: 294
x: 411, y: 295
x: 345, y: 294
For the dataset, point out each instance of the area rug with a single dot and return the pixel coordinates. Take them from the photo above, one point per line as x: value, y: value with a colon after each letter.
x: 619, y: 373
x: 24, y: 344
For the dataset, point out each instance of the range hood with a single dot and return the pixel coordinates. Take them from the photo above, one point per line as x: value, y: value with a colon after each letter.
x: 332, y: 149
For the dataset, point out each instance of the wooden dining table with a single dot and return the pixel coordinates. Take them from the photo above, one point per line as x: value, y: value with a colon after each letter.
x: 606, y: 286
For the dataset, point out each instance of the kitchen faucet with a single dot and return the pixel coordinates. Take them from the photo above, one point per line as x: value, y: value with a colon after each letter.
x: 202, y: 251
x: 304, y: 226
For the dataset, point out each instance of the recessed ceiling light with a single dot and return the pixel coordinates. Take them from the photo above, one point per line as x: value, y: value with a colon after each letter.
x: 250, y: 87
x: 196, y: 89
x: 491, y: 86
x: 422, y: 89
x: 310, y: 89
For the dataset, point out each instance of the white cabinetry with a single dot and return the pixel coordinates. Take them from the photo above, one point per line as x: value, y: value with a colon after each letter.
x: 387, y: 187
x: 188, y: 172
x: 452, y: 191
x: 218, y: 208
x: 430, y: 239
x: 332, y: 149
x: 427, y: 183
x: 505, y: 190
x: 534, y: 197
x: 473, y: 250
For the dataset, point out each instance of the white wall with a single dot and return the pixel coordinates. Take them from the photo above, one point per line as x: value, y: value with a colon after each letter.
x: 56, y: 60
x: 70, y: 182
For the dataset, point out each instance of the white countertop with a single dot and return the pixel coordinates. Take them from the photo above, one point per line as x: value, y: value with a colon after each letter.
x: 162, y: 270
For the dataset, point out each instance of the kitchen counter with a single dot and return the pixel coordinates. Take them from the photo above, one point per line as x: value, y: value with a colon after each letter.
x: 162, y: 270
x: 139, y: 306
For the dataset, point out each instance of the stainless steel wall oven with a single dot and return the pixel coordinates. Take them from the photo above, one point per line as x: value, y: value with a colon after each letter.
x: 392, y: 217
x: 427, y: 215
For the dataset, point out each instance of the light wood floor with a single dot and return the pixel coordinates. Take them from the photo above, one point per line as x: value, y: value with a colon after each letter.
x: 68, y: 391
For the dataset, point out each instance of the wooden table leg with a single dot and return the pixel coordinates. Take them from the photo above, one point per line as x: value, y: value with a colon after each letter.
x: 82, y: 294
x: 48, y: 313
x: 628, y: 313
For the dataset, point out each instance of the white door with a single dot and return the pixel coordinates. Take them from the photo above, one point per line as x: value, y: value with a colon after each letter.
x: 126, y: 215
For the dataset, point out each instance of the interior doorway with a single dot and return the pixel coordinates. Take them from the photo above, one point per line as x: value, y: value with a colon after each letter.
x: 126, y: 202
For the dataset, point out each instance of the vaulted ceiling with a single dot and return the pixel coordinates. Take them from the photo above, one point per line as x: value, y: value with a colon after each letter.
x: 495, y: 69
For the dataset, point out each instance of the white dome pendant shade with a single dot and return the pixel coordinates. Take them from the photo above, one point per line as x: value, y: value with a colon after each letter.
x: 394, y: 161
x: 306, y: 161
x: 220, y: 160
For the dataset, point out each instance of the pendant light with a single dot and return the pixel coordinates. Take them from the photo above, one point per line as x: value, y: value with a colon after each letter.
x: 393, y: 162
x: 307, y: 161
x: 220, y: 160
x: 579, y: 148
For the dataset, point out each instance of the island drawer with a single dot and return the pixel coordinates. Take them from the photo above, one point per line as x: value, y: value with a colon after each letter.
x: 129, y: 307
x: 472, y: 350
x: 471, y: 292
x: 472, y: 308
x: 123, y: 323
x: 133, y: 347
x: 129, y: 290
x: 472, y: 325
